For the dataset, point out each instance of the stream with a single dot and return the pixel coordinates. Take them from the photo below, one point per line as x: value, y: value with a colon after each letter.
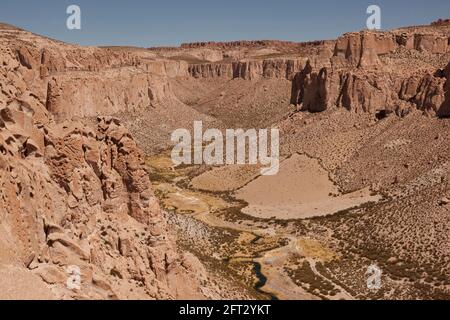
x: 262, y: 279
x: 175, y: 195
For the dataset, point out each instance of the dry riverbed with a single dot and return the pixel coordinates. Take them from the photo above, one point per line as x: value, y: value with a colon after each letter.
x: 246, y: 226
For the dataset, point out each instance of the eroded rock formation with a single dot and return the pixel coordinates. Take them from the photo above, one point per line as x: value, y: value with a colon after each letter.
x: 78, y: 215
x: 249, y: 69
x: 363, y: 77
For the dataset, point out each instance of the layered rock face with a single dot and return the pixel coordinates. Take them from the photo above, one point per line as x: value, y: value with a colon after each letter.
x: 72, y: 79
x: 255, y: 60
x: 211, y: 70
x: 274, y: 68
x: 366, y: 75
x: 79, y: 218
x: 111, y: 92
x: 249, y: 69
x: 285, y: 46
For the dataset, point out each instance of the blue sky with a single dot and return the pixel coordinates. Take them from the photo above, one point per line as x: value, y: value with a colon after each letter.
x: 171, y: 22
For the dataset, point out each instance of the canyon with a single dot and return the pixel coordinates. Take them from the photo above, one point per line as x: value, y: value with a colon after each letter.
x: 87, y: 179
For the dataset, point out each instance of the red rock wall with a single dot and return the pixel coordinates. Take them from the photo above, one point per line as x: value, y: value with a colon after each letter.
x: 249, y: 69
x: 357, y: 80
x: 73, y: 194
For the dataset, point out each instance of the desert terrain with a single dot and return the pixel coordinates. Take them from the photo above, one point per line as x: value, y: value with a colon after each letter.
x: 88, y: 184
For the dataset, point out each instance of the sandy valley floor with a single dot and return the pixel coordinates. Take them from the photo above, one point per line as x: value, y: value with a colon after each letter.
x: 301, y: 189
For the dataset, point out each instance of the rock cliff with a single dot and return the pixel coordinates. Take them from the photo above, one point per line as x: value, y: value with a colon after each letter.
x: 249, y: 69
x: 366, y: 74
x: 78, y: 215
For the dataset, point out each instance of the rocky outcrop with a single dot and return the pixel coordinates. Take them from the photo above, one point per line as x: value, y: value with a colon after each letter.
x: 318, y: 91
x: 70, y: 95
x: 78, y: 215
x: 113, y: 169
x: 211, y: 70
x: 325, y: 89
x: 427, y: 93
x: 362, y: 49
x: 441, y: 22
x: 112, y: 90
x: 79, y: 82
x: 269, y: 68
x: 49, y: 60
x: 357, y: 78
x: 249, y: 69
x: 165, y: 68
x: 431, y: 43
x: 248, y: 44
x: 444, y: 110
x: 313, y: 90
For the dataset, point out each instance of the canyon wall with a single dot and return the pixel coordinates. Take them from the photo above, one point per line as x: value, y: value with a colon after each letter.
x: 82, y: 82
x: 359, y: 80
x: 248, y: 69
x: 111, y: 92
x: 359, y: 72
x: 75, y: 198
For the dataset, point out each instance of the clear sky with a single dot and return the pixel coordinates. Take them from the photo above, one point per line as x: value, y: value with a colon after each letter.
x: 171, y: 22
